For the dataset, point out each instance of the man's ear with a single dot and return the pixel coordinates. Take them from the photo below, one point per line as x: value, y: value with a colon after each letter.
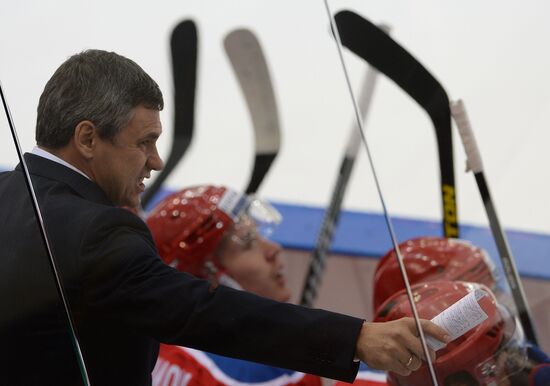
x: 85, y: 138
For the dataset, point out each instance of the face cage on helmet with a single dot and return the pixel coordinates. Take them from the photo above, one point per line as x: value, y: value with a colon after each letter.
x: 266, y: 217
x: 245, y: 208
x: 504, y: 364
x: 244, y: 232
x: 511, y: 356
x: 252, y: 218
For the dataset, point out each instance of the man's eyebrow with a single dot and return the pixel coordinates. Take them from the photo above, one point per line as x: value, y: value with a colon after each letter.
x: 151, y: 135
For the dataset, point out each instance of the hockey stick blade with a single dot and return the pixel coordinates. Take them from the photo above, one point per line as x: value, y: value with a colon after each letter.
x: 475, y: 165
x: 332, y: 214
x: 250, y: 66
x: 377, y: 48
x: 183, y: 45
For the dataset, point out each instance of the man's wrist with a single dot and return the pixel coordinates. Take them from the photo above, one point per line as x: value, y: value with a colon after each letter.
x: 356, y: 356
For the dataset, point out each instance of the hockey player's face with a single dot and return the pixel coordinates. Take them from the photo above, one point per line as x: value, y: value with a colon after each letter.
x: 121, y: 165
x: 254, y: 262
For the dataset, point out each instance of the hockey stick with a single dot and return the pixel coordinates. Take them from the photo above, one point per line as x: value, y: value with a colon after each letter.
x: 332, y: 214
x: 250, y: 67
x: 377, y: 48
x: 387, y: 218
x: 475, y: 165
x: 184, y: 67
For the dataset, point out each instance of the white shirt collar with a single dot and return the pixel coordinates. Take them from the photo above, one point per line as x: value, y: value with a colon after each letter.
x: 45, y: 154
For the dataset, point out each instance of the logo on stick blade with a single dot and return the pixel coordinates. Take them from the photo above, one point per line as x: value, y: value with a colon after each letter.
x: 449, y: 210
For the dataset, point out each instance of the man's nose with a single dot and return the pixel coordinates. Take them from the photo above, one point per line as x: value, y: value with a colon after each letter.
x: 272, y: 250
x: 154, y: 161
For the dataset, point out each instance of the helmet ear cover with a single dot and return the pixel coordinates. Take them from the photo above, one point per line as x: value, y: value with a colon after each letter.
x: 475, y: 354
x: 429, y: 259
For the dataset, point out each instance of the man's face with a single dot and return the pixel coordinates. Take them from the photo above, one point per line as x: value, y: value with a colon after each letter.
x: 253, y: 262
x: 120, y: 166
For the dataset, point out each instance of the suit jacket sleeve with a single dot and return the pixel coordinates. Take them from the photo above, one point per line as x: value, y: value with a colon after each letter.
x: 127, y: 284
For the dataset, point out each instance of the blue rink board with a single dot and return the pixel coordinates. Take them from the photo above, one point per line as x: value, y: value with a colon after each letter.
x: 364, y: 234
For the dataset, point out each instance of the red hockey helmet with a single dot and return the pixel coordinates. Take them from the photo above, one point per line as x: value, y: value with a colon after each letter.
x: 484, y: 355
x: 188, y: 225
x: 428, y: 259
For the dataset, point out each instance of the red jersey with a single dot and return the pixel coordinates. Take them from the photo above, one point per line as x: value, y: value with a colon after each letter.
x: 181, y: 366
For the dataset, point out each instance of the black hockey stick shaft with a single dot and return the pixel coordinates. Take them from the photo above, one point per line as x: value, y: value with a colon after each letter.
x: 329, y: 224
x: 183, y: 45
x: 250, y: 67
x: 475, y: 164
x: 262, y: 164
x: 376, y: 180
x: 377, y: 48
x: 332, y: 214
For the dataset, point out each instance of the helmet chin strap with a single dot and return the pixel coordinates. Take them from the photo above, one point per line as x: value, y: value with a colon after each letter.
x: 220, y: 277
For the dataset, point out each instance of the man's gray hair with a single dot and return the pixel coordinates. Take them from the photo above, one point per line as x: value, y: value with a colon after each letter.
x: 98, y: 86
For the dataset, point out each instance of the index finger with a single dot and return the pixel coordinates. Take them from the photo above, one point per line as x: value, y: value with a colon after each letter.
x: 432, y: 329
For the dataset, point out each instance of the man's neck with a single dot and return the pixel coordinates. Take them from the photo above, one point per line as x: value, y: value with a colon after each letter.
x: 61, y: 157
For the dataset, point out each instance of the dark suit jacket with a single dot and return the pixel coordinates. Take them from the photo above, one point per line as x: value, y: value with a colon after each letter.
x: 124, y: 299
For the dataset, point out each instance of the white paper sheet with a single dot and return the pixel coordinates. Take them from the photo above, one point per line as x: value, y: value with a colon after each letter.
x: 459, y: 318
